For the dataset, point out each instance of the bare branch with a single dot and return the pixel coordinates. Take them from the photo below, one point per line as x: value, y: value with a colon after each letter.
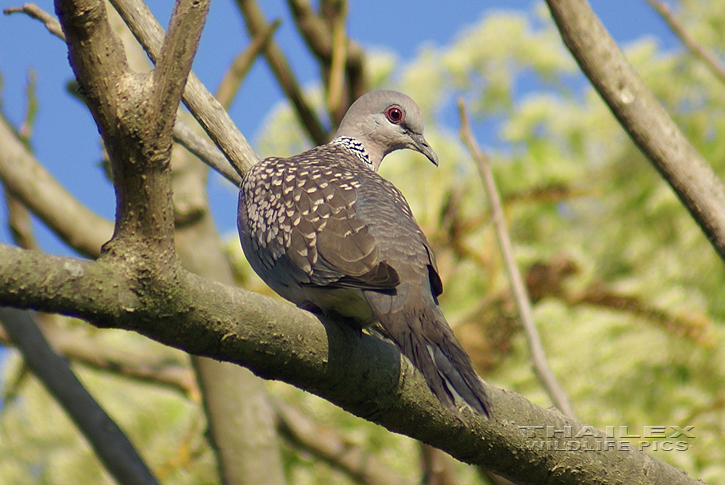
x: 27, y: 180
x: 51, y: 23
x: 316, y: 33
x: 336, y: 81
x: 256, y: 24
x: 174, y: 63
x: 80, y: 347
x: 325, y: 443
x: 122, y: 111
x: 19, y: 223
x: 185, y: 136
x: 363, y: 374
x: 241, y: 64
x: 648, y: 124
x: 711, y: 62
x: 108, y: 441
x: 523, y: 304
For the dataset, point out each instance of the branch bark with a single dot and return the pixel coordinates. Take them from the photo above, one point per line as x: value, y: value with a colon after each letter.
x: 319, y: 39
x: 640, y: 114
x: 110, y: 444
x: 29, y: 182
x: 362, y: 374
x: 710, y: 61
x: 205, y: 108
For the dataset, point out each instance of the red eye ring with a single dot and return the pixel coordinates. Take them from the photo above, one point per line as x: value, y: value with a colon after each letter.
x: 395, y: 114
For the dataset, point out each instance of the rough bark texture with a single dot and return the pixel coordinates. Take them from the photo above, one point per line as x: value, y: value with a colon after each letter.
x: 362, y: 374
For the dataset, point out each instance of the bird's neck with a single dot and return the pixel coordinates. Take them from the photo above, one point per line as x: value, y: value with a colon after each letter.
x: 357, y: 148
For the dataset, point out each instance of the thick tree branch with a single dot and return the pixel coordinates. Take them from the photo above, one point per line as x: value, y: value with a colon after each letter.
x: 647, y: 123
x: 362, y: 374
x: 108, y: 441
x: 205, y: 108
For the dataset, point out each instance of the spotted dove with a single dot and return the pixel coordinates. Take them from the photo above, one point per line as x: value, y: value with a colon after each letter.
x: 329, y: 234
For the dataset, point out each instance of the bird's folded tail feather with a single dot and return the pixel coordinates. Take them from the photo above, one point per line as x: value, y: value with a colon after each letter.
x: 426, y: 340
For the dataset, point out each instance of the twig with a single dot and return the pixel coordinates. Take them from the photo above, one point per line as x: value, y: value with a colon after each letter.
x: 325, y: 443
x: 19, y: 223
x: 185, y: 136
x: 108, y: 441
x: 541, y: 366
x: 51, y: 23
x: 336, y: 80
x: 237, y: 72
x: 696, y: 184
x: 309, y: 120
x: 316, y: 33
x: 717, y: 69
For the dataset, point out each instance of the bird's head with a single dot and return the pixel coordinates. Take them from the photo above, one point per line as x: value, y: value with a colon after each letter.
x: 385, y: 121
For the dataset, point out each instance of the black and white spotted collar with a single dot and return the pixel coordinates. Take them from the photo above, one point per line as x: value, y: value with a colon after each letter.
x: 356, y: 147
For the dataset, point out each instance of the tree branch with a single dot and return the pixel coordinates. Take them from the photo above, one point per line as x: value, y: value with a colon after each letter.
x: 319, y: 39
x: 362, y: 374
x: 108, y: 441
x: 174, y: 63
x: 521, y: 297
x: 695, y: 48
x: 80, y: 347
x: 32, y: 10
x: 647, y: 123
x: 256, y: 24
x: 242, y: 63
x: 205, y: 108
x: 27, y: 180
x: 208, y: 153
x: 303, y: 432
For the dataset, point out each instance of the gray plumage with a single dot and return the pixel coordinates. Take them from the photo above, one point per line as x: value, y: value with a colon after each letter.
x: 327, y: 233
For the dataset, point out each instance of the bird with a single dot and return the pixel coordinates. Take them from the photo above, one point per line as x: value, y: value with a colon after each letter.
x: 326, y: 232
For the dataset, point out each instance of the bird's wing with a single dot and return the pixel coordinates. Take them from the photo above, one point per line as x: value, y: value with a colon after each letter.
x: 301, y: 222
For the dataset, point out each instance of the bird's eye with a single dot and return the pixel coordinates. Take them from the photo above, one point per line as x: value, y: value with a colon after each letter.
x: 395, y: 114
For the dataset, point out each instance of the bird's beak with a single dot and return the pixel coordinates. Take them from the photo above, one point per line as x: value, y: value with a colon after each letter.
x: 422, y: 146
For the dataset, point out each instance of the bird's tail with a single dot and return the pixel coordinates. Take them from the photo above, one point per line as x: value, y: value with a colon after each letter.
x: 424, y: 337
